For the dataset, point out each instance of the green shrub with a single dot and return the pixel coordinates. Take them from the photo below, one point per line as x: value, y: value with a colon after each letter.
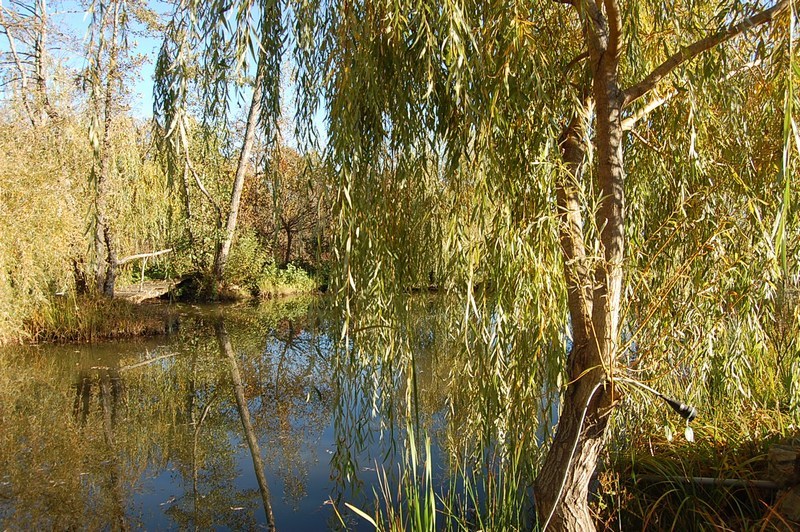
x: 247, y: 261
x: 274, y: 281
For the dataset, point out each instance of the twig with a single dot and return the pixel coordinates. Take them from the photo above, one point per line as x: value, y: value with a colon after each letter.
x: 18, y: 61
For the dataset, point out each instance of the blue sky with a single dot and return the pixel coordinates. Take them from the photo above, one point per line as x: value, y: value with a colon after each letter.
x: 71, y: 19
x: 71, y: 16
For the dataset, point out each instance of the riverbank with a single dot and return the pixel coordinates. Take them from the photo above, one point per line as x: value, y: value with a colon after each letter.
x: 137, y: 310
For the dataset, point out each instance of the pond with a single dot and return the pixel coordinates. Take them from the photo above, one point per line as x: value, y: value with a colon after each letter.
x: 241, y: 413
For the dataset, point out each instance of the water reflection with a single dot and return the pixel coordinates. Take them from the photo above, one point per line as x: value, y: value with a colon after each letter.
x: 244, y: 414
x: 246, y: 418
x: 108, y: 382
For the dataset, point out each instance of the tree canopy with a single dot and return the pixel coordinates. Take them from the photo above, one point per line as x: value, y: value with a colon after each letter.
x: 503, y: 128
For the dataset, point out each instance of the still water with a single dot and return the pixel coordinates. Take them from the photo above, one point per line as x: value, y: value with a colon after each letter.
x: 243, y: 412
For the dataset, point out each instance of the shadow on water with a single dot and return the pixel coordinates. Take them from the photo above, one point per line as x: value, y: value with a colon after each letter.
x: 246, y: 418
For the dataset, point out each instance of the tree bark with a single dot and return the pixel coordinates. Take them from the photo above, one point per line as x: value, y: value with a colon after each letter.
x: 238, y: 183
x: 106, y: 256
x: 562, y: 486
x: 569, y: 192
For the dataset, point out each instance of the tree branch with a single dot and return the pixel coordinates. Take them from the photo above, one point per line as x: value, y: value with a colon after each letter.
x: 575, y: 60
x: 18, y: 62
x: 146, y: 362
x: 130, y: 258
x: 688, y: 53
x: 614, y: 28
x: 630, y: 122
x: 188, y: 162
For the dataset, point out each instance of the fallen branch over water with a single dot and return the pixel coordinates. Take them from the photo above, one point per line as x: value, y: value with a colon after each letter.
x: 147, y: 362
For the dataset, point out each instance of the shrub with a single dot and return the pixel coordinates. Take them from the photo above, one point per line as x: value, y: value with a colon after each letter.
x: 274, y: 281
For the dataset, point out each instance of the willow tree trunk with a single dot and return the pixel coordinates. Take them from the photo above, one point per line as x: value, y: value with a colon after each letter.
x: 106, y: 256
x: 562, y: 486
x: 223, y: 252
x: 594, y: 292
x: 48, y: 111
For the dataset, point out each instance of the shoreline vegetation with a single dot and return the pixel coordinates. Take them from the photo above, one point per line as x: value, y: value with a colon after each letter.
x: 145, y: 309
x: 56, y: 275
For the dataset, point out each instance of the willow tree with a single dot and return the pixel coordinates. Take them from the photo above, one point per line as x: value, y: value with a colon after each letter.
x: 108, y: 62
x: 517, y: 115
x: 489, y: 85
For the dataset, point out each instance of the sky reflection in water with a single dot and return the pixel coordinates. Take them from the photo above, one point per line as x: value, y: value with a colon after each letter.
x: 150, y: 434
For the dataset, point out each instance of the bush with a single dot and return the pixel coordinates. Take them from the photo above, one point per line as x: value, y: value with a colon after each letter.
x: 252, y: 267
x: 247, y: 261
x: 274, y: 281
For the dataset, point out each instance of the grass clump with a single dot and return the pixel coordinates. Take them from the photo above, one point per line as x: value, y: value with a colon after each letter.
x: 84, y: 319
x: 643, y: 486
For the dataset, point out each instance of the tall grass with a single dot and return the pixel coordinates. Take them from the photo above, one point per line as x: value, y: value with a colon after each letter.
x: 83, y: 319
x: 411, y: 504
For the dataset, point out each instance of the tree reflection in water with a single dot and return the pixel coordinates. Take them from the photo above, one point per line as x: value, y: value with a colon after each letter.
x: 247, y: 413
x: 244, y: 415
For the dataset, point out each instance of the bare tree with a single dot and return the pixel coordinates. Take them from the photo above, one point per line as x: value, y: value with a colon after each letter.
x: 27, y: 35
